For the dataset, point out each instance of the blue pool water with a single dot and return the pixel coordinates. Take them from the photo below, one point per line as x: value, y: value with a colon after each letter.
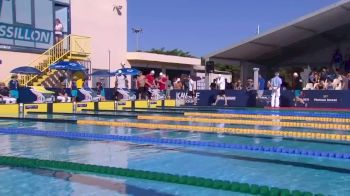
x: 314, y: 174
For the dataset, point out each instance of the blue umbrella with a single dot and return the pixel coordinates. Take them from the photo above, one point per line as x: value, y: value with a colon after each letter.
x: 26, y: 70
x: 128, y: 71
x: 68, y: 66
x: 102, y: 73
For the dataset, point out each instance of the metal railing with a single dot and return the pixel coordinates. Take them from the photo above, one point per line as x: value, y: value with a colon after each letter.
x: 67, y: 47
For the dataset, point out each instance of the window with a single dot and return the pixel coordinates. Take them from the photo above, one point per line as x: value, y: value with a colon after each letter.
x: 43, y: 14
x: 23, y: 11
x: 6, y: 14
x: 44, y: 19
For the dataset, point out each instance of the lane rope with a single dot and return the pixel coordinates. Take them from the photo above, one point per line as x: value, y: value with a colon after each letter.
x: 287, y: 113
x: 247, y: 122
x: 259, y: 116
x: 290, y: 134
x: 177, y: 142
x: 148, y: 175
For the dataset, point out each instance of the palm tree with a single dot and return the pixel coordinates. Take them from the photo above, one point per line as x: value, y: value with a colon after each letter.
x: 233, y: 69
x: 174, y: 52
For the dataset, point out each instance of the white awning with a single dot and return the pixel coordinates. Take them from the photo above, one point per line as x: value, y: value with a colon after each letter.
x: 272, y: 42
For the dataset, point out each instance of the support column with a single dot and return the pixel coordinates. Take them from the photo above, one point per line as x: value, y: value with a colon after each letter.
x: 256, y: 78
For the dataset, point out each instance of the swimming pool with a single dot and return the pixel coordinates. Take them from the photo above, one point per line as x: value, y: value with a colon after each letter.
x: 238, y: 162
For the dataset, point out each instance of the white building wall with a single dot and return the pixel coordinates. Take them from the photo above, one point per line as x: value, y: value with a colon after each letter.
x: 106, y: 27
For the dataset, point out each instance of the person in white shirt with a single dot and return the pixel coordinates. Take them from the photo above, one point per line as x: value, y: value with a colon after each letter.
x: 191, y: 90
x: 276, y: 83
x: 121, y: 80
x: 58, y: 30
x: 221, y: 83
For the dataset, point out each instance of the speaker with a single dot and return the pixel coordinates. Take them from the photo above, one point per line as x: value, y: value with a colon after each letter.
x: 209, y: 66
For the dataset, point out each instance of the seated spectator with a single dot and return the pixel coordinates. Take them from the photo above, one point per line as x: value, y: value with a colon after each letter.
x: 309, y: 86
x: 312, y: 77
x: 13, y: 87
x: 213, y: 85
x: 100, y: 91
x: 324, y: 74
x: 345, y: 81
x: 250, y: 85
x: 229, y: 85
x: 238, y: 85
x: 339, y: 86
x: 86, y: 91
x: 62, y: 95
x: 329, y: 85
x: 5, y: 94
x: 320, y: 86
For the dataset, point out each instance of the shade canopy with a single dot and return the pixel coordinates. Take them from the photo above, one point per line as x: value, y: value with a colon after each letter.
x: 128, y: 71
x: 325, y: 28
x: 68, y: 66
x: 26, y: 70
x: 102, y: 73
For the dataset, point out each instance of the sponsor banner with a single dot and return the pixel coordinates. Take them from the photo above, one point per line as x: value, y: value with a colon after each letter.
x: 31, y: 107
x: 25, y: 33
x: 327, y: 99
x: 208, y: 97
x: 313, y: 98
x: 121, y: 103
x: 81, y: 105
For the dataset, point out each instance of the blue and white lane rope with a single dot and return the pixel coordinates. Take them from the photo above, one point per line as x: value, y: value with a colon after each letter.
x: 177, y: 142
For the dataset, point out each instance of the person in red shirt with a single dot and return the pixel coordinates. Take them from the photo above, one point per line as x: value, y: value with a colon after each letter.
x: 163, y: 81
x: 150, y: 82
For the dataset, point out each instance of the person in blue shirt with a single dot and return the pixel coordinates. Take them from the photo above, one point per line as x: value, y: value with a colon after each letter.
x: 13, y: 86
x: 276, y: 83
x: 261, y: 83
x: 74, y: 89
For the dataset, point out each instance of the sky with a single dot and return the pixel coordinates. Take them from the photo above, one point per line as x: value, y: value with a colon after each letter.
x: 205, y: 26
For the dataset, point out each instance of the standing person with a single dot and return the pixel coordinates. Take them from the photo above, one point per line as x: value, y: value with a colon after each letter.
x: 150, y: 83
x: 185, y: 82
x: 58, y: 30
x: 169, y: 88
x: 177, y: 84
x: 191, y: 90
x: 276, y: 83
x: 213, y: 85
x: 220, y: 82
x: 74, y: 89
x: 13, y: 86
x: 261, y: 84
x: 163, y: 83
x: 140, y: 84
x: 298, y: 87
x: 121, y: 80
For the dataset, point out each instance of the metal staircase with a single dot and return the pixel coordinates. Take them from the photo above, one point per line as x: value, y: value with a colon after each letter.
x: 72, y: 47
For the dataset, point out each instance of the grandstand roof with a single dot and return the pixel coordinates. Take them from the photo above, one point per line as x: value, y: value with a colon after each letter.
x: 325, y: 26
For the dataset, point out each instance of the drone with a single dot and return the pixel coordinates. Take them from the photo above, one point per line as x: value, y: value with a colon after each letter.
x: 118, y: 9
